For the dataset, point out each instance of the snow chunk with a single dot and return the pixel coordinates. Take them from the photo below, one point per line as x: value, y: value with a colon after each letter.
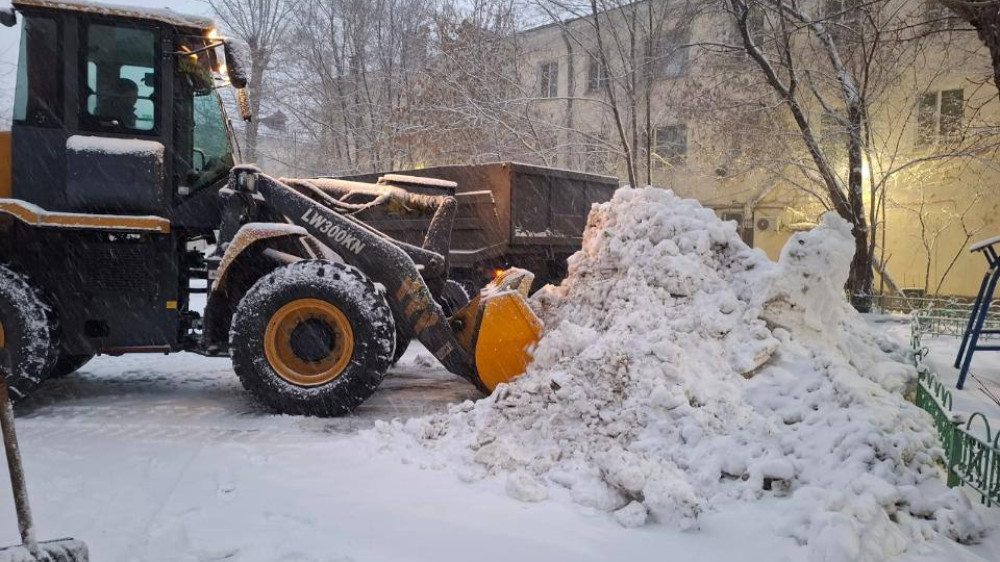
x: 814, y: 266
x: 632, y: 515
x: 524, y: 487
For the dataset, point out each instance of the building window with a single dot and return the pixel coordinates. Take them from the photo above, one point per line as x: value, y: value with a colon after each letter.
x: 939, y: 116
x: 671, y: 143
x: 938, y: 16
x: 597, y: 154
x: 843, y: 17
x: 549, y: 79
x: 668, y: 57
x: 597, y: 74
x: 746, y: 231
x: 842, y: 12
x: 729, y: 161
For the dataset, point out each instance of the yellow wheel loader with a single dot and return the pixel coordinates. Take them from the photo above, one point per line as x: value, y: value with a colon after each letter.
x: 122, y: 195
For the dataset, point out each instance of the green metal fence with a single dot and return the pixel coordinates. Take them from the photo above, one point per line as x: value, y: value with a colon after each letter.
x: 938, y: 315
x: 972, y: 452
x: 946, y: 316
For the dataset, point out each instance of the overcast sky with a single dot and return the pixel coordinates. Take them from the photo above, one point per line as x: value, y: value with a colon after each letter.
x: 10, y: 36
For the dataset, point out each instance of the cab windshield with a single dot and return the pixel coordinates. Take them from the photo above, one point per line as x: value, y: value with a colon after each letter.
x: 204, y: 151
x: 211, y: 153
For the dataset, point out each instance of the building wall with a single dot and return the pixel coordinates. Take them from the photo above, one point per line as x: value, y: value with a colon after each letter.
x: 932, y: 211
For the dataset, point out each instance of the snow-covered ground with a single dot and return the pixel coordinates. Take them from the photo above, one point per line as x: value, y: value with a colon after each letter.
x: 165, y: 458
x: 982, y: 381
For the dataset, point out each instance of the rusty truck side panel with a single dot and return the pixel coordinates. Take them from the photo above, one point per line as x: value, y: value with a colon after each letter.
x: 509, y: 215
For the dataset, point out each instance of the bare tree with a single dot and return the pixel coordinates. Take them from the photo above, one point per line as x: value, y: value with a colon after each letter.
x: 261, y: 24
x: 984, y: 17
x: 945, y: 222
x: 842, y: 105
x: 349, y: 75
x: 854, y: 80
x: 627, y: 47
x: 470, y: 104
x: 797, y: 35
x: 7, y: 75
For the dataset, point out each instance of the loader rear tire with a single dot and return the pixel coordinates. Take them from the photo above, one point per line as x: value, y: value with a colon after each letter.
x: 25, y: 334
x: 312, y: 338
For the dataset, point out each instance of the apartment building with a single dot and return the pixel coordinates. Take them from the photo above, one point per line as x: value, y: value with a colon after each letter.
x: 699, y: 118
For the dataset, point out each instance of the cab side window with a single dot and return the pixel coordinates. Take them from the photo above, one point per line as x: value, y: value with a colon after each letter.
x: 38, y: 96
x: 120, y: 79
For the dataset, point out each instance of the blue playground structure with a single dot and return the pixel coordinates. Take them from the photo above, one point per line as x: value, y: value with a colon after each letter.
x: 980, y: 310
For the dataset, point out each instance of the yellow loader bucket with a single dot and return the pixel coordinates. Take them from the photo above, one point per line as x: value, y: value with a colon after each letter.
x: 499, y: 329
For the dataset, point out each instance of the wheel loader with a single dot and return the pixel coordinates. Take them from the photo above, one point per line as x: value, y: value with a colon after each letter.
x: 123, y: 195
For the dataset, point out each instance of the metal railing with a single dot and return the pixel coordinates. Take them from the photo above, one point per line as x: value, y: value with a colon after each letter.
x: 972, y: 452
x: 907, y: 304
x: 940, y: 316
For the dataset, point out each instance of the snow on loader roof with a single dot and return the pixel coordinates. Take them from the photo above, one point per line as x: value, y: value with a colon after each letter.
x: 681, y: 371
x: 162, y: 15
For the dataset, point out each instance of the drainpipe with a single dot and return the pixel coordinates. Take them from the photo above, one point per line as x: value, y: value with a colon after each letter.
x: 570, y: 94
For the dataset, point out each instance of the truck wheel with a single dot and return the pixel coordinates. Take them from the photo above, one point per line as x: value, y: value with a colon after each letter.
x: 25, y: 334
x: 68, y: 364
x: 313, y: 338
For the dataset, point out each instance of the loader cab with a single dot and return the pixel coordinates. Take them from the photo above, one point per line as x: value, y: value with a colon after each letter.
x: 117, y: 112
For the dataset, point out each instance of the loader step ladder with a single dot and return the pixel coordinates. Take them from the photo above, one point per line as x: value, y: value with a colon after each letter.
x: 980, y: 310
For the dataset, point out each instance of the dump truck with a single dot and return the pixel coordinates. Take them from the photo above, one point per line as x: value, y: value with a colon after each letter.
x: 510, y: 214
x: 127, y: 195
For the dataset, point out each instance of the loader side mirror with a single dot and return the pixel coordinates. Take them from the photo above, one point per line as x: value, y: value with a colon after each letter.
x: 237, y: 62
x: 8, y: 17
x: 247, y: 181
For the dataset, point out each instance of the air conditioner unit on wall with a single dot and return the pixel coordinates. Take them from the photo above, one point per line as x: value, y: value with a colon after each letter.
x: 765, y: 223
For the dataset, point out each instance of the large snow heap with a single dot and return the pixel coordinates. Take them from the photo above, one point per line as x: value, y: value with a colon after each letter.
x: 681, y: 370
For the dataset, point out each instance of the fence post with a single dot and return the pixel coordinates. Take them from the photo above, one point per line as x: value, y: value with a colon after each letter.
x: 953, y: 451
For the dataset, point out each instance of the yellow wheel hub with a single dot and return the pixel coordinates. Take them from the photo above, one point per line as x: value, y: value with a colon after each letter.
x: 309, y: 342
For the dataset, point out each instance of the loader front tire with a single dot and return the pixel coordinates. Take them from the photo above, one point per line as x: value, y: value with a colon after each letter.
x: 25, y: 334
x: 312, y: 338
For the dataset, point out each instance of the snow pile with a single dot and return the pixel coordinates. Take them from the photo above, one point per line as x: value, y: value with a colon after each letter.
x: 681, y: 370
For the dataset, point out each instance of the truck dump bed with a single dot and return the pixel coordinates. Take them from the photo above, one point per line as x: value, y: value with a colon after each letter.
x: 510, y: 214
